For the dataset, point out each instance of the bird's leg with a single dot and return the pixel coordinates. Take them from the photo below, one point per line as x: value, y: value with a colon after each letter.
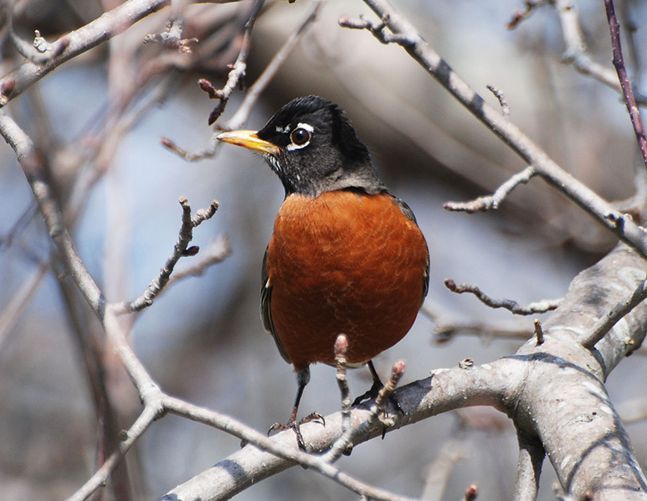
x: 303, y: 378
x: 375, y: 389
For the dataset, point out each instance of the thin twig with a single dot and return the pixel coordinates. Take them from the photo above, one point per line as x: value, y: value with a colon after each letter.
x: 451, y: 453
x: 606, y: 323
x: 106, y: 26
x: 252, y: 95
x: 341, y: 347
x: 40, y: 51
x: 11, y: 314
x: 542, y: 306
x: 238, y: 69
x: 216, y: 253
x: 492, y: 202
x: 445, y: 328
x: 520, y: 15
x: 346, y: 441
x: 505, y: 107
x: 180, y: 250
x: 576, y: 52
x: 627, y: 89
x: 171, y: 37
x: 128, y: 438
x: 254, y: 92
x: 539, y: 331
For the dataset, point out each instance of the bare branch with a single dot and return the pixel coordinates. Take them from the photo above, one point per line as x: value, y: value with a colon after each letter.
x: 274, y: 445
x: 180, y: 250
x: 606, y: 323
x: 76, y: 42
x: 493, y: 201
x: 505, y: 107
x: 216, y: 253
x: 252, y: 95
x: 627, y: 90
x: 19, y: 301
x: 542, y: 306
x: 520, y: 15
x: 341, y: 347
x: 254, y: 92
x: 439, y: 471
x: 128, y: 438
x: 346, y: 441
x: 408, y: 37
x: 446, y: 328
x: 531, y: 458
x: 171, y: 37
x: 576, y: 52
x: 239, y: 67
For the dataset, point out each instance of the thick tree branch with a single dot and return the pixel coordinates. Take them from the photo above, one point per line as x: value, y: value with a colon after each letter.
x: 545, y: 389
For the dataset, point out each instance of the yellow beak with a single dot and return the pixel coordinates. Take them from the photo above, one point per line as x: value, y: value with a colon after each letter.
x: 248, y: 139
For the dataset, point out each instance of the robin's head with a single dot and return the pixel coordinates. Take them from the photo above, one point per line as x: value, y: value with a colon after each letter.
x: 312, y: 147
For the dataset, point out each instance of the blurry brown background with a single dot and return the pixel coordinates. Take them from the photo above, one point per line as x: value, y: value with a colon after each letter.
x: 203, y: 340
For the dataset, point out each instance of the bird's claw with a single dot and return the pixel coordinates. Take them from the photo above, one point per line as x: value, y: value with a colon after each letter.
x: 295, y: 426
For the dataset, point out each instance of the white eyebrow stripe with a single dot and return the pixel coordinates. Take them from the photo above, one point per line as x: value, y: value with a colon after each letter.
x: 307, y: 127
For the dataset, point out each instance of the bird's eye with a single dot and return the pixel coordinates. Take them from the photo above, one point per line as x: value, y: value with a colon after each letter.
x: 300, y: 136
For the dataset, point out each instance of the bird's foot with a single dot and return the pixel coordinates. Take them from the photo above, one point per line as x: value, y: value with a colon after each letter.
x: 295, y: 425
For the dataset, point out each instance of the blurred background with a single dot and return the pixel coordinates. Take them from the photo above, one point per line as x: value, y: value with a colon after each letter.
x: 99, y: 120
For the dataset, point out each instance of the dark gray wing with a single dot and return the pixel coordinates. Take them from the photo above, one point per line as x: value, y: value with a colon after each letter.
x: 266, y: 306
x: 409, y: 213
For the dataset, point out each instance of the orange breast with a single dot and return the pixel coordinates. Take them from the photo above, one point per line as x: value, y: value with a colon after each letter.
x: 344, y: 263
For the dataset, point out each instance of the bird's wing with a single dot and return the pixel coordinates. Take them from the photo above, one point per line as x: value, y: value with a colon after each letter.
x: 266, y: 306
x: 409, y: 213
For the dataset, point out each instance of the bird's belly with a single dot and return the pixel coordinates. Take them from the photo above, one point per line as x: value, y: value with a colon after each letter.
x: 344, y: 263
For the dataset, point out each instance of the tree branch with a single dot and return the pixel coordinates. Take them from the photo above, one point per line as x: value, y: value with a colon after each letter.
x: 493, y: 201
x: 576, y: 52
x: 587, y: 451
x: 405, y: 34
x: 542, y: 306
x: 625, y: 84
x: 78, y: 41
x: 531, y: 458
x: 180, y: 250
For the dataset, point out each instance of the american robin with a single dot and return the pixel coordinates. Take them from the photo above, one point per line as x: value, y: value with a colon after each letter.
x: 346, y: 256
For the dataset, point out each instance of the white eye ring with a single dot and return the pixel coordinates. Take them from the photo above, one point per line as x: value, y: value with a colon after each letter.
x: 297, y: 135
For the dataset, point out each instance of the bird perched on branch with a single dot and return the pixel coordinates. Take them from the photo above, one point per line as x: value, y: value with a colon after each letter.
x: 346, y: 256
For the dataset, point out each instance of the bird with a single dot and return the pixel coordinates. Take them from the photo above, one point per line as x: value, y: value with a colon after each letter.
x: 345, y: 255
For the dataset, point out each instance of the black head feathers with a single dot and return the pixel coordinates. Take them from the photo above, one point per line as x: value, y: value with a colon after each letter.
x: 312, y: 147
